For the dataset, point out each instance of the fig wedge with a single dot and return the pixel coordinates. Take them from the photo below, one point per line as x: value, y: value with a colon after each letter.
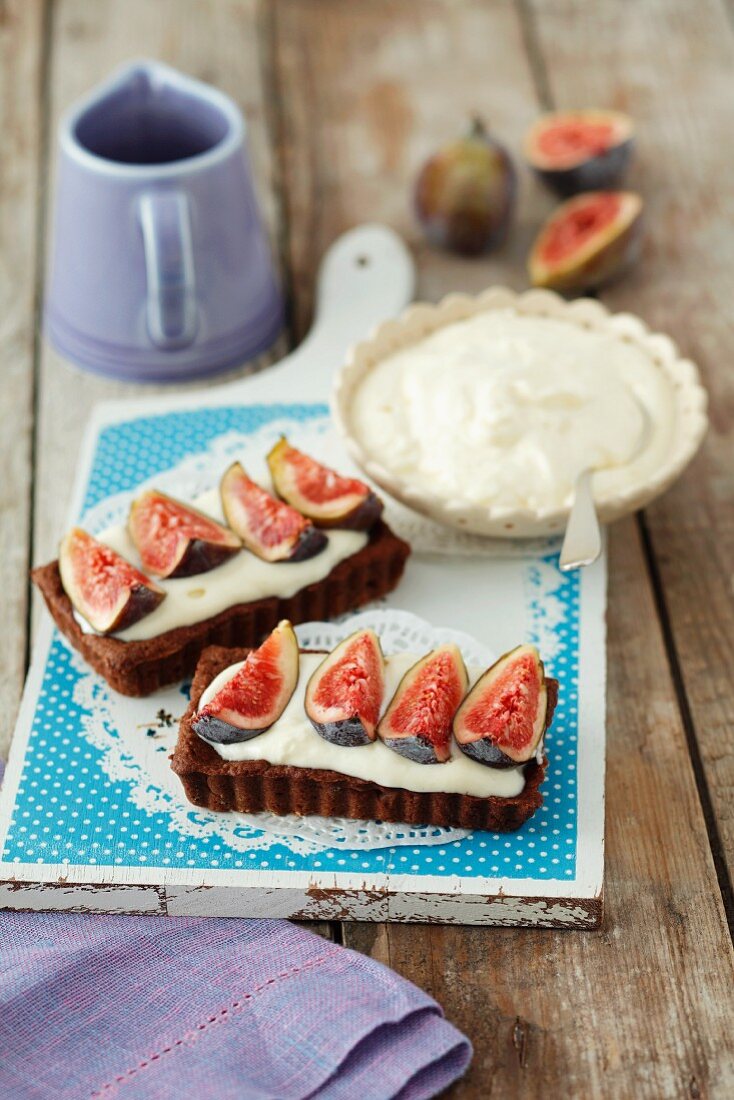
x: 588, y: 241
x: 344, y: 694
x: 256, y: 696
x: 417, y: 723
x: 268, y: 527
x: 503, y: 718
x: 103, y: 587
x: 574, y: 151
x: 318, y: 492
x: 175, y: 540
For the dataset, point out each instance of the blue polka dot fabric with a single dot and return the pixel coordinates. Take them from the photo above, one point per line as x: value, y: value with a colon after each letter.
x: 69, y: 810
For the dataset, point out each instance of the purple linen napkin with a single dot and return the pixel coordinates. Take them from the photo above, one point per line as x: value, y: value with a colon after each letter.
x: 152, y: 1008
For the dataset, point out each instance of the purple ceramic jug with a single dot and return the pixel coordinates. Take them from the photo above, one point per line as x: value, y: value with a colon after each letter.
x: 161, y: 268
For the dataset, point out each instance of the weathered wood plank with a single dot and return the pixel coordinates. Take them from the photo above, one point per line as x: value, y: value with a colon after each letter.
x: 640, y: 1008
x: 677, y: 61
x: 217, y: 42
x: 21, y: 50
x: 353, y: 136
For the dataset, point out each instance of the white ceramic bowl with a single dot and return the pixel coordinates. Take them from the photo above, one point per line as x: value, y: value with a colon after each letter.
x: 420, y: 320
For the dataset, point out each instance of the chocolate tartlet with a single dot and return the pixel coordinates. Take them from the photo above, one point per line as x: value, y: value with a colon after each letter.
x: 141, y: 667
x: 252, y: 786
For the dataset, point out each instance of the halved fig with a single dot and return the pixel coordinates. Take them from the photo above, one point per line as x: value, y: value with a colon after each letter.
x: 106, y: 590
x: 175, y: 540
x: 344, y: 694
x: 503, y: 718
x: 417, y: 724
x: 326, y: 497
x: 573, y: 151
x: 258, y: 693
x: 587, y: 241
x: 268, y: 527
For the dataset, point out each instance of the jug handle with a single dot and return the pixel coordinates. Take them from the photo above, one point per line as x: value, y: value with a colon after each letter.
x: 169, y: 267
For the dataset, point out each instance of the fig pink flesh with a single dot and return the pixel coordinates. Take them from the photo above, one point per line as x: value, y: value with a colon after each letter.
x: 506, y: 714
x: 259, y: 691
x: 104, y: 587
x: 354, y: 685
x: 268, y: 526
x: 316, y: 490
x: 164, y: 530
x: 424, y: 706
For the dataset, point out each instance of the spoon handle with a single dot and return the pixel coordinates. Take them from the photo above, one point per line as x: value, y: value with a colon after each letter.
x: 582, y: 541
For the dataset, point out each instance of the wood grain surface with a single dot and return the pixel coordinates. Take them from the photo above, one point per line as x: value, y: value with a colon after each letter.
x: 344, y: 98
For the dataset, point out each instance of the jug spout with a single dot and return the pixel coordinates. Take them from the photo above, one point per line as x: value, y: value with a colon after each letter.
x: 150, y: 116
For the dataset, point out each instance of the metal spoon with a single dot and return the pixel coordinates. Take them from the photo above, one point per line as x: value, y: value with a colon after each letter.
x: 582, y: 541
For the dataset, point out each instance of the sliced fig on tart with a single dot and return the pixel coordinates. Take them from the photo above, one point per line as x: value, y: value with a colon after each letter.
x: 318, y: 492
x: 256, y: 696
x: 417, y: 723
x: 503, y: 718
x: 573, y: 151
x: 268, y: 527
x: 176, y: 540
x: 344, y: 695
x: 106, y: 590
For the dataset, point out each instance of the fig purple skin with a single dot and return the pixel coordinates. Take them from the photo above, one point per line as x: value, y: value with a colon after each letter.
x: 484, y: 752
x: 417, y: 749
x: 365, y: 516
x: 348, y: 733
x: 211, y: 728
x: 201, y: 557
x: 465, y: 194
x: 310, y: 543
x: 597, y: 174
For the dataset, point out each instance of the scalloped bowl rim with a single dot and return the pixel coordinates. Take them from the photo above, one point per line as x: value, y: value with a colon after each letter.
x: 421, y: 319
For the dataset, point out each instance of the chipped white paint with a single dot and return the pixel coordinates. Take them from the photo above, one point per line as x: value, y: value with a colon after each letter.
x: 82, y: 898
x: 309, y: 904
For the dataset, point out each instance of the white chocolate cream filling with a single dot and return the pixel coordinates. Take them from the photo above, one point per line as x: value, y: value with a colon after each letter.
x: 505, y: 410
x: 241, y: 579
x: 292, y: 740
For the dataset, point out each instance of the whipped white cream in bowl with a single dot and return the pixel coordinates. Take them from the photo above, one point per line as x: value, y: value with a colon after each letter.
x: 482, y: 412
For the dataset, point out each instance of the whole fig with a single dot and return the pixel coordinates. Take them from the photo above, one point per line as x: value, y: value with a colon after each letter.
x: 465, y: 193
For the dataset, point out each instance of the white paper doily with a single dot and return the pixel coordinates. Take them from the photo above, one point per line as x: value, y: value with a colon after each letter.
x: 136, y: 737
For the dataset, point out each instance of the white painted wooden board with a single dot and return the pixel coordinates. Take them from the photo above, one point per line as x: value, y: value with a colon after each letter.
x: 88, y: 818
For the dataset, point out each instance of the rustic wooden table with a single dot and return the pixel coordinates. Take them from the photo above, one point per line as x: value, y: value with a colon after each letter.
x: 343, y: 100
